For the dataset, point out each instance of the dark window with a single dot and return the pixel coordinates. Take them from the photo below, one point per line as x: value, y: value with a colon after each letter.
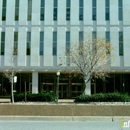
x: 55, y: 10
x: 42, y: 9
x: 68, y: 10
x: 80, y: 9
x: 29, y: 10
x: 16, y: 10
x: 108, y: 41
x: 120, y: 10
x: 94, y: 10
x: 54, y: 43
x: 41, y: 43
x: 107, y: 10
x: 81, y: 36
x: 4, y: 10
x: 107, y: 36
x: 2, y: 42
x: 121, y: 43
x: 67, y: 41
x: 94, y: 39
x: 28, y: 43
x: 15, y: 43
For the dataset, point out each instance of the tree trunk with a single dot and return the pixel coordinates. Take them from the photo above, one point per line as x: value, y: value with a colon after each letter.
x: 87, y: 85
x: 12, y: 84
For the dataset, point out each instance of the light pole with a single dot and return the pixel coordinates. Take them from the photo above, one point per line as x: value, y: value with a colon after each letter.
x: 57, y: 91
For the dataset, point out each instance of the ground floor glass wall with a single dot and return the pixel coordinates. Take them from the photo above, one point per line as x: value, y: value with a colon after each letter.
x: 68, y: 87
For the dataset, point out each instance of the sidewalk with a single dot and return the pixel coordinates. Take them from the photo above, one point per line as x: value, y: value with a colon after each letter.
x: 64, y: 118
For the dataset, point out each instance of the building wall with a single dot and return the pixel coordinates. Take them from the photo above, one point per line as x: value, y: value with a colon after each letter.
x: 48, y: 61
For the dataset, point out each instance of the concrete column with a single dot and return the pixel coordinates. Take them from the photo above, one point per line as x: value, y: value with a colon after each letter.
x: 74, y: 38
x: 87, y: 33
x: 101, y: 32
x: 101, y: 12
x: 61, y: 12
x: 74, y: 12
x: 114, y: 12
x: 23, y: 12
x: 48, y: 12
x: 88, y: 12
x: 35, y: 12
x: 126, y: 11
x: 35, y: 46
x: 0, y: 12
x: 126, y: 31
x: 61, y: 46
x: 114, y: 40
x: 10, y: 12
x: 9, y: 45
x: 35, y: 82
x: 48, y: 46
x: 22, y: 45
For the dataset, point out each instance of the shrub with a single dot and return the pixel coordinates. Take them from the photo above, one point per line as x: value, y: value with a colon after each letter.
x: 104, y: 97
x: 46, y: 96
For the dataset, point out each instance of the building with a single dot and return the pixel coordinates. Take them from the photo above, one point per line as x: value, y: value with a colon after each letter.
x: 38, y: 29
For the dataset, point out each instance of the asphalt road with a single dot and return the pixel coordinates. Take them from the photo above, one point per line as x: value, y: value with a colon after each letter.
x: 60, y: 125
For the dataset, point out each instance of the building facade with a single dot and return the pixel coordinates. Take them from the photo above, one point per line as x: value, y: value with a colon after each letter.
x: 40, y: 30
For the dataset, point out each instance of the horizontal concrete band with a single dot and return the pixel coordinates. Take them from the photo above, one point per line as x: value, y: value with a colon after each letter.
x: 64, y: 118
x: 64, y: 110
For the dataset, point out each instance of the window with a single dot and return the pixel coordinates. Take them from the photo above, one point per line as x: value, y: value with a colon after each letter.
x: 67, y: 41
x: 94, y: 36
x: 94, y: 39
x: 54, y: 43
x: 41, y: 42
x: 16, y: 10
x: 81, y: 38
x: 42, y: 9
x: 108, y: 41
x: 94, y: 10
x: 28, y: 43
x: 68, y: 10
x: 120, y: 12
x: 107, y: 36
x: 55, y: 10
x: 4, y: 10
x: 15, y: 43
x: 121, y: 43
x: 80, y: 9
x: 2, y: 42
x: 107, y: 10
x: 29, y: 10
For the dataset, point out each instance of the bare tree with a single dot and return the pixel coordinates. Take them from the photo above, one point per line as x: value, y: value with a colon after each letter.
x: 11, y: 71
x: 90, y: 58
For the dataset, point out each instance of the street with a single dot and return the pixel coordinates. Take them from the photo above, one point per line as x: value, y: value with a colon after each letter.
x: 60, y: 125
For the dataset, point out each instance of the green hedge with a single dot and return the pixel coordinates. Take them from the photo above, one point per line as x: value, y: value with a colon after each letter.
x: 104, y: 97
x: 46, y: 97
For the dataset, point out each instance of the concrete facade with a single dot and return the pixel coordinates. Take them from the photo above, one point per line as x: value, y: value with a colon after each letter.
x: 36, y: 63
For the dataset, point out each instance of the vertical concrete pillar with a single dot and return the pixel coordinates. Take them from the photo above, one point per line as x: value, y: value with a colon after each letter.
x: 74, y: 12
x: 34, y: 82
x: 10, y: 9
x: 61, y: 46
x: 61, y: 10
x: 88, y: 12
x: 101, y: 12
x: 0, y: 12
x: 48, y: 12
x: 126, y: 8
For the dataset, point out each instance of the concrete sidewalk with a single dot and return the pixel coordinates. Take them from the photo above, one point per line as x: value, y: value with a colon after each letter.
x: 64, y: 118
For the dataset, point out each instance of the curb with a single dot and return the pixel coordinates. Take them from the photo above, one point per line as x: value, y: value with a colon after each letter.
x: 63, y: 118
